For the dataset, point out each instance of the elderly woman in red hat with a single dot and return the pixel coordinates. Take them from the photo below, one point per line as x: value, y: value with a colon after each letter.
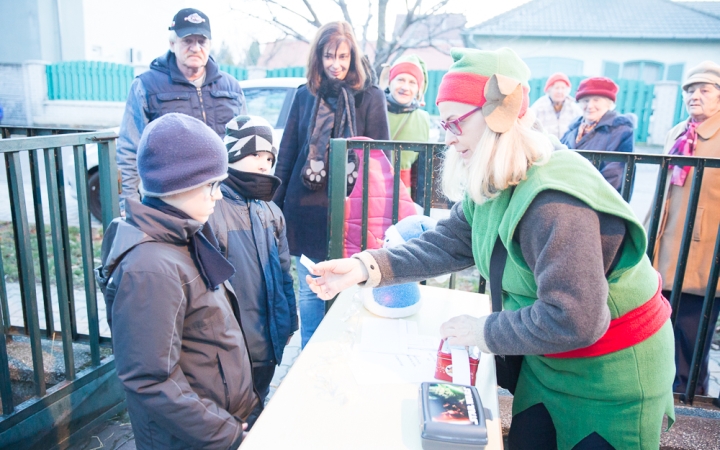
x: 600, y: 127
x: 556, y: 110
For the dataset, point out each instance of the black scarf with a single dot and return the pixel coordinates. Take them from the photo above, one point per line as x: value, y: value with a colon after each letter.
x: 204, y: 248
x: 332, y: 116
x: 252, y: 185
x: 396, y: 108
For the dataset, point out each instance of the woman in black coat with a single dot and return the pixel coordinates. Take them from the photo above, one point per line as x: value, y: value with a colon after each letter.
x: 338, y: 101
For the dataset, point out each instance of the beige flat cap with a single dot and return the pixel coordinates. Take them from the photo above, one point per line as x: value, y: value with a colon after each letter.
x: 705, y: 72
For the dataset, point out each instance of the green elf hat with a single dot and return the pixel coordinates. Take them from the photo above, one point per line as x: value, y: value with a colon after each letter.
x: 495, y: 80
x: 414, y: 66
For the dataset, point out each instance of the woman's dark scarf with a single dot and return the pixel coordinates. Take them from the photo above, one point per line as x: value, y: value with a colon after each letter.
x: 396, y: 108
x: 252, y: 185
x: 333, y: 116
x: 203, y: 245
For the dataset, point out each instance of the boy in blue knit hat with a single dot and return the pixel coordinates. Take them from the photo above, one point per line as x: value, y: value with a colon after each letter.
x: 177, y: 338
x: 251, y: 232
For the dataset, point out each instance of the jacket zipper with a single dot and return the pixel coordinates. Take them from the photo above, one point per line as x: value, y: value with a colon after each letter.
x: 227, y: 390
x: 202, y: 105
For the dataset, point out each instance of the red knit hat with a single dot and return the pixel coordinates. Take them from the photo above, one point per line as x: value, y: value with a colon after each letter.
x: 604, y: 87
x: 554, y: 78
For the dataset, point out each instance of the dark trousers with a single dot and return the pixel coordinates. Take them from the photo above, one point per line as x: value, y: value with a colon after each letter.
x: 262, y: 376
x: 533, y: 429
x: 687, y: 326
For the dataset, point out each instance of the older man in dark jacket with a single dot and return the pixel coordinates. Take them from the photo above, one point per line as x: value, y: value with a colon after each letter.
x: 178, y: 342
x: 186, y: 80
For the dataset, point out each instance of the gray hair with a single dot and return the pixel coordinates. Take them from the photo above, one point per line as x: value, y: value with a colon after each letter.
x: 173, y: 37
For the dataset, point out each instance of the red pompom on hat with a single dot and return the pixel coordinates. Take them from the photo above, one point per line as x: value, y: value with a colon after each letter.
x: 604, y: 87
x: 554, y: 78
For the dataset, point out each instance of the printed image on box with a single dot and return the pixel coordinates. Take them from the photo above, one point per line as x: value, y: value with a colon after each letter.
x: 450, y: 403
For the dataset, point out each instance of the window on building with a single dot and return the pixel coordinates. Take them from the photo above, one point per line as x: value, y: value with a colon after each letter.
x: 647, y: 71
x: 544, y: 66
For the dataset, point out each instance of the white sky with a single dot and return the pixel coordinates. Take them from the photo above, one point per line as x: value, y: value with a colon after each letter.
x: 113, y: 26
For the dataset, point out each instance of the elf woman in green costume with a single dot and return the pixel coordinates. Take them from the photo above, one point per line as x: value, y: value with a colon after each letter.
x: 580, y: 298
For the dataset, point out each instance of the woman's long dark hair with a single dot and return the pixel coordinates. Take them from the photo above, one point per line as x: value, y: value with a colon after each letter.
x: 331, y: 35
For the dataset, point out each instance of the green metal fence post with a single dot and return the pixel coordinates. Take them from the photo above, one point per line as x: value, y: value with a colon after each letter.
x: 87, y: 253
x: 61, y: 265
x: 8, y: 405
x: 42, y: 243
x: 26, y: 271
x: 337, y: 187
x: 4, y: 307
x: 107, y: 168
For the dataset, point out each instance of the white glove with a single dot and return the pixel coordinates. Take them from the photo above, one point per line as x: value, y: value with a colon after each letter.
x: 465, y: 331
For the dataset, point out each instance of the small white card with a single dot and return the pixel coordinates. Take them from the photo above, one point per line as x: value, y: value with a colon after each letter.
x: 307, y: 262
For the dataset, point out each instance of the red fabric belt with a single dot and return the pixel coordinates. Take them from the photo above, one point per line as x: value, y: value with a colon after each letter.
x: 627, y: 330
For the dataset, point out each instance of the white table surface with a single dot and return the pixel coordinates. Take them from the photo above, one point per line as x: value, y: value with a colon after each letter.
x: 319, y: 405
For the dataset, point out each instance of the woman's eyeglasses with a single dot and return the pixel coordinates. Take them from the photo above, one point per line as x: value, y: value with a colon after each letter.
x: 453, y: 126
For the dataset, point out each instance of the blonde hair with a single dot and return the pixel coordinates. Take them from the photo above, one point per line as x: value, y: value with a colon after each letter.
x: 500, y: 160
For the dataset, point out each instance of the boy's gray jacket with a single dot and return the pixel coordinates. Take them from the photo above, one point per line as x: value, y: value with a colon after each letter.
x: 179, y: 349
x: 251, y: 234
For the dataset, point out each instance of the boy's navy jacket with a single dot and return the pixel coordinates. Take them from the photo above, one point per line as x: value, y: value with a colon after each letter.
x: 179, y: 347
x: 251, y: 234
x: 613, y: 133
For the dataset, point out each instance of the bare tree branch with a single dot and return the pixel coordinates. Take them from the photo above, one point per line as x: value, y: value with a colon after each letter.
x: 315, y: 21
x: 366, y: 25
x: 289, y: 31
x: 344, y: 8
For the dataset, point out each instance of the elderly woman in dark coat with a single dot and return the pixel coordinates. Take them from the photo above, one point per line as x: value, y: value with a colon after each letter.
x: 600, y: 127
x: 338, y: 101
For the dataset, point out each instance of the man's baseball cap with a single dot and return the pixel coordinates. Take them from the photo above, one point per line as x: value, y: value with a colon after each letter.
x: 191, y: 21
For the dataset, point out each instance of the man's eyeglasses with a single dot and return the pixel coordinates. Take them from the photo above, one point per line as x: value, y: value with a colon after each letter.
x: 214, y: 187
x: 453, y: 126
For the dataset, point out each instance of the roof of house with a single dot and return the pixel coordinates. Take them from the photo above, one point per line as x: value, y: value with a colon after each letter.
x: 610, y: 19
x: 712, y: 7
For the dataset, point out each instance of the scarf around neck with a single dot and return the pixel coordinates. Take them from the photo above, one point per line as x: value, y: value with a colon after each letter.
x: 586, y: 127
x: 332, y: 116
x: 252, y: 185
x: 203, y: 245
x: 684, y: 146
x: 397, y: 108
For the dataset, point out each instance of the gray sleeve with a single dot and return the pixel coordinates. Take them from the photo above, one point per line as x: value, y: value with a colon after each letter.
x: 570, y: 248
x: 131, y: 128
x: 445, y: 249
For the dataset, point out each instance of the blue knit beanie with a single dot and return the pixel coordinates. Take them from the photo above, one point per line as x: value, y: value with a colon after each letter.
x: 178, y: 153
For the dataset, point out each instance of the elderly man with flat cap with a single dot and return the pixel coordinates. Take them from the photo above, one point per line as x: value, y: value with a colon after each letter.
x: 185, y: 80
x: 698, y: 135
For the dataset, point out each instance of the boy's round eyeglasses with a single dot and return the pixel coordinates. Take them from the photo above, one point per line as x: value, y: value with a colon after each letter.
x: 214, y: 187
x: 453, y: 126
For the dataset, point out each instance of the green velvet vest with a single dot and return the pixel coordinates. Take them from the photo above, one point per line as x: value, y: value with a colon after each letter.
x: 621, y: 395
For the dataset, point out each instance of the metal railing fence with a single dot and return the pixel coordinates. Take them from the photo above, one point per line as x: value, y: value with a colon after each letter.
x: 50, y: 184
x: 427, y: 156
